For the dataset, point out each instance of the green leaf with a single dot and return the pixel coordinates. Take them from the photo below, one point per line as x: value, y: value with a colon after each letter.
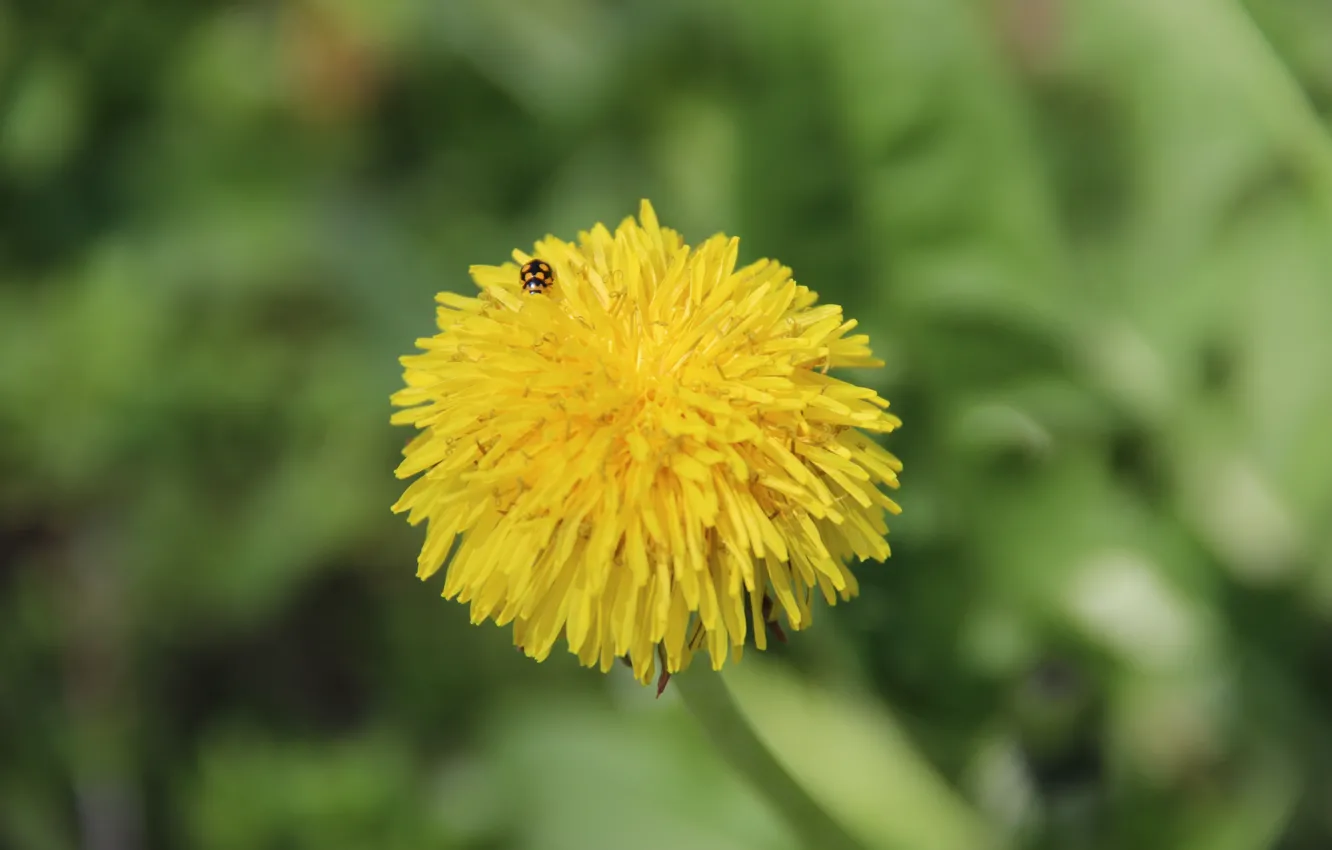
x: 853, y: 758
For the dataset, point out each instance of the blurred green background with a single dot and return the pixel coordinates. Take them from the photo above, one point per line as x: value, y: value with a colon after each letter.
x: 1092, y: 239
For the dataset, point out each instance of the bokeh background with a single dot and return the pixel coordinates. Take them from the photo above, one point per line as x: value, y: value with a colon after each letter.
x: 1091, y: 238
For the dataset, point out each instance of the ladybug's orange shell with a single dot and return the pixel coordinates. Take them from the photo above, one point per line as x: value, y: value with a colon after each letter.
x: 536, y: 276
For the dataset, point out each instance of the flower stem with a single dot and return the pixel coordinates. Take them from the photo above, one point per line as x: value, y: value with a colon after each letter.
x: 709, y: 700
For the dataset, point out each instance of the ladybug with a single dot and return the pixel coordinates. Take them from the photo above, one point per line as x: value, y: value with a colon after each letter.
x: 536, y: 276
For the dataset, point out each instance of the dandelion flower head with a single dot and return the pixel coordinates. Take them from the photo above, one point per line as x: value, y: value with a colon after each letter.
x: 648, y: 457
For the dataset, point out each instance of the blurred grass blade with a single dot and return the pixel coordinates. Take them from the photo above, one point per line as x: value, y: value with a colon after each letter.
x: 1253, y: 73
x: 707, y: 697
x: 1254, y: 818
x: 855, y: 761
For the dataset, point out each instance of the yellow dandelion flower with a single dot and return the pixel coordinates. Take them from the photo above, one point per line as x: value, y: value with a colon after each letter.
x: 642, y: 448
